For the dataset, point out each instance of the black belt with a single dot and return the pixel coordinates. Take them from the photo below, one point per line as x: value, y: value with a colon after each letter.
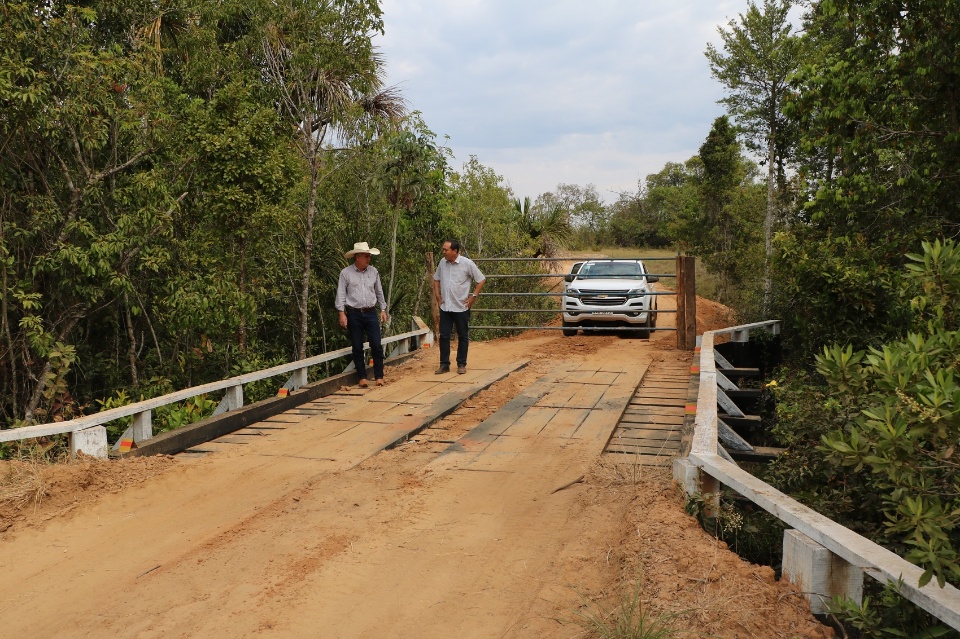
x: 362, y: 310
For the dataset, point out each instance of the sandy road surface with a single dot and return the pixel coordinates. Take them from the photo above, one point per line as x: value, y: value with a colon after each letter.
x: 271, y: 539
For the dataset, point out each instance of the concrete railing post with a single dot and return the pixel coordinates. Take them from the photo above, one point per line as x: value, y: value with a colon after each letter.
x: 297, y: 379
x: 818, y: 573
x: 89, y: 441
x: 143, y: 426
x: 686, y: 474
x: 232, y: 400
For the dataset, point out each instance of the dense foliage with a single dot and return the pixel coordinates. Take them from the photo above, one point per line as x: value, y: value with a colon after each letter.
x: 180, y: 181
x: 879, y: 155
x: 864, y: 270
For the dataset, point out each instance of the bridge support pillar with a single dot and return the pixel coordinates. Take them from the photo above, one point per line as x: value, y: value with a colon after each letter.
x: 818, y: 573
x: 686, y: 474
x: 90, y: 441
x: 694, y: 481
x: 710, y: 491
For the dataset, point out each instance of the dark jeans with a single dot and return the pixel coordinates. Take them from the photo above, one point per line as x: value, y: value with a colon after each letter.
x: 447, y: 321
x: 358, y: 324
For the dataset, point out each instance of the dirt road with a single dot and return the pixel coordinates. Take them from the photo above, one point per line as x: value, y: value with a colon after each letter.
x: 271, y: 539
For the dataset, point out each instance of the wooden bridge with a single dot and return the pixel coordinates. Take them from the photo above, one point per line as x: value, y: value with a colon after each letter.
x: 283, y: 526
x: 296, y: 516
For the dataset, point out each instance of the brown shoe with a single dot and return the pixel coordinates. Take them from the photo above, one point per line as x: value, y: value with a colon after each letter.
x: 461, y: 370
x: 442, y: 370
x: 380, y: 382
x: 362, y: 383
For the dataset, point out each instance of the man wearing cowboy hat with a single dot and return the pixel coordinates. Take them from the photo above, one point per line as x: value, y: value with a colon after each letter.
x: 358, y: 293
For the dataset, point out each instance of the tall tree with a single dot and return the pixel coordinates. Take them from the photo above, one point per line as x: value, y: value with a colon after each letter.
x: 584, y: 208
x: 727, y: 228
x: 83, y: 115
x: 879, y: 113
x: 482, y: 205
x: 759, y: 54
x: 415, y: 169
x: 327, y: 74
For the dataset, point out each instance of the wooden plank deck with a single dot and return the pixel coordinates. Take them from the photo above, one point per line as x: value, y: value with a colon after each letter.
x: 568, y: 414
x: 651, y: 428
x: 343, y: 429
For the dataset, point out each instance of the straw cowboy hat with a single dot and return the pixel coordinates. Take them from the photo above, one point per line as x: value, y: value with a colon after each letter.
x: 362, y: 247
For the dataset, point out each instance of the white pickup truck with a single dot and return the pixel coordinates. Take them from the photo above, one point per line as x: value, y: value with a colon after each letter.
x: 609, y: 292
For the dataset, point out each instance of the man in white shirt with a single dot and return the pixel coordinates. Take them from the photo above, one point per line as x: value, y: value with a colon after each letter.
x: 451, y: 287
x: 358, y: 292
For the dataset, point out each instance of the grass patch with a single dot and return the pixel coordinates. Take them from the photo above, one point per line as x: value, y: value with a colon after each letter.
x: 22, y: 484
x: 626, y: 618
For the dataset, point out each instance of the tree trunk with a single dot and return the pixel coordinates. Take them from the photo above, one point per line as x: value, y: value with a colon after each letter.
x: 42, y: 378
x: 768, y: 221
x: 434, y: 304
x: 242, y: 330
x: 132, y: 345
x: 393, y: 259
x: 5, y: 321
x: 307, y: 256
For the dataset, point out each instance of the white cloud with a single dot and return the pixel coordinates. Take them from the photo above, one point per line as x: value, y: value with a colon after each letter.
x: 549, y: 92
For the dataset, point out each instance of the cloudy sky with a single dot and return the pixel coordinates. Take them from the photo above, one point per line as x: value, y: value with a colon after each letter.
x: 544, y: 92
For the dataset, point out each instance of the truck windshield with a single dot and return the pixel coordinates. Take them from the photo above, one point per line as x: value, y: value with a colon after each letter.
x: 629, y: 270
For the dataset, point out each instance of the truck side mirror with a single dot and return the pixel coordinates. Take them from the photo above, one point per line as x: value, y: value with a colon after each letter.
x: 652, y: 278
x: 568, y: 278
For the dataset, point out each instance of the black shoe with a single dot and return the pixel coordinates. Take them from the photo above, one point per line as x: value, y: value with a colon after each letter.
x: 461, y: 370
x: 443, y: 369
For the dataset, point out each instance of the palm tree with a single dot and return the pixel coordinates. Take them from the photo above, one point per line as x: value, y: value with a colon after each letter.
x: 328, y: 79
x: 547, y: 227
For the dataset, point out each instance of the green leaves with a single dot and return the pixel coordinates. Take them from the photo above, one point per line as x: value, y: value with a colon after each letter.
x: 906, y: 434
x: 841, y: 366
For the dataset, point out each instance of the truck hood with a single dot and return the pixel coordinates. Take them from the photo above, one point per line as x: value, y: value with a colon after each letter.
x: 612, y: 284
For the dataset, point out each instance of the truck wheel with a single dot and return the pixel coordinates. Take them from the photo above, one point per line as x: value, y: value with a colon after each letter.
x: 645, y: 334
x: 569, y: 332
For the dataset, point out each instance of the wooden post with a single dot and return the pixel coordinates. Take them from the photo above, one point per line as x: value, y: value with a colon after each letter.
x: 680, y: 317
x: 686, y: 302
x: 710, y: 491
x: 434, y: 305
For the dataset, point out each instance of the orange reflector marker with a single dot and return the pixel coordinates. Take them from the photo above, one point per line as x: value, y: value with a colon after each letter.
x: 694, y: 370
x: 283, y: 392
x: 690, y: 408
x: 126, y: 445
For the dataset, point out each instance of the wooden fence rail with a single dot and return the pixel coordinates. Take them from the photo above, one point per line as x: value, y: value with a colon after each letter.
x: 824, y: 558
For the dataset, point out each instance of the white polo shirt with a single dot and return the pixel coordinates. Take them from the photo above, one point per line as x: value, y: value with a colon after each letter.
x: 455, y: 279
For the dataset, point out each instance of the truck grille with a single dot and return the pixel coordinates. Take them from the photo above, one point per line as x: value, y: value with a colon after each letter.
x: 604, y: 298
